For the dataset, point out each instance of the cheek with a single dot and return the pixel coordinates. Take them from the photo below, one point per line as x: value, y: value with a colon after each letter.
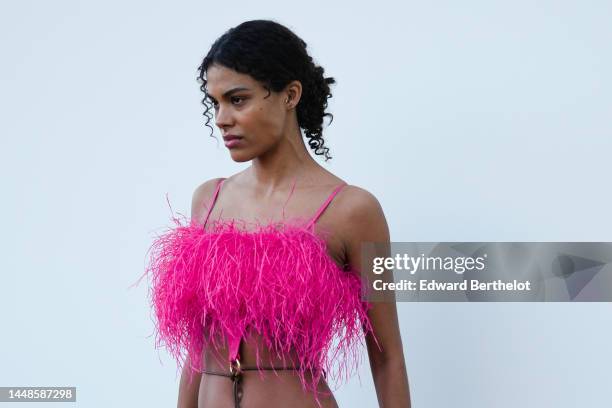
x: 263, y: 122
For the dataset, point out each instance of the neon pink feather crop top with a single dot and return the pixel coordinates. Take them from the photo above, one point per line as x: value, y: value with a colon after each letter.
x: 280, y: 282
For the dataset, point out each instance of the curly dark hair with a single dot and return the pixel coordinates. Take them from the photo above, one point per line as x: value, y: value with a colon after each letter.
x: 273, y: 55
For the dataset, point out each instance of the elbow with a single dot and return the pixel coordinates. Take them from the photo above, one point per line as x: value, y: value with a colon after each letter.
x: 390, y: 360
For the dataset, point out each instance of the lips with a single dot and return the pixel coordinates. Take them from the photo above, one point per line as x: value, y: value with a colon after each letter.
x: 232, y: 141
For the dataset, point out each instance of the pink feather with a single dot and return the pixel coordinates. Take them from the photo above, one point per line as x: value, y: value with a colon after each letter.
x: 280, y: 282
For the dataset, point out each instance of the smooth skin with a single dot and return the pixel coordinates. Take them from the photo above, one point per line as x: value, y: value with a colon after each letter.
x: 272, y: 141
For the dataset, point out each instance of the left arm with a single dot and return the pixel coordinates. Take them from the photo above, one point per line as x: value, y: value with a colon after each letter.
x: 365, y: 222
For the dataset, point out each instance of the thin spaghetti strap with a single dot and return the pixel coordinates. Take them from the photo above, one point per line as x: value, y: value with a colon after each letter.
x: 325, y: 204
x: 213, y: 201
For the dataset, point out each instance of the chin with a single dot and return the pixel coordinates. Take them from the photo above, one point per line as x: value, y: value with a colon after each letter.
x: 240, y: 156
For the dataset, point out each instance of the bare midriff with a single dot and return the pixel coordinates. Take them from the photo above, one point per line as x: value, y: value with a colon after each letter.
x: 263, y: 389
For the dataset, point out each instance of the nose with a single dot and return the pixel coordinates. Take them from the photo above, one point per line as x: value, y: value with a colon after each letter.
x: 223, y: 117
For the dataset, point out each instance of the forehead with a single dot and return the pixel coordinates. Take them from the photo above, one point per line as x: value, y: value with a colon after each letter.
x: 220, y: 79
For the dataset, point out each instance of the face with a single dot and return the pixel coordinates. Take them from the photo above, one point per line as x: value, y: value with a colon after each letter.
x: 244, y: 110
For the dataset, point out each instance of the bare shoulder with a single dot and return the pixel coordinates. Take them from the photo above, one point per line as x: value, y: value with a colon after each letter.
x: 356, y: 202
x: 201, y: 198
x: 361, y: 215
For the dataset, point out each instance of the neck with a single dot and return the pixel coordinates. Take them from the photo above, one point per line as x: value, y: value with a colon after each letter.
x: 289, y: 162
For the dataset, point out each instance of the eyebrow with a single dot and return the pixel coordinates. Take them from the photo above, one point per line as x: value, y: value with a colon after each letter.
x: 232, y: 91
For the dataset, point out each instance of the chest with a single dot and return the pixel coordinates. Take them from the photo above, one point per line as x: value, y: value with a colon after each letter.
x: 298, y: 208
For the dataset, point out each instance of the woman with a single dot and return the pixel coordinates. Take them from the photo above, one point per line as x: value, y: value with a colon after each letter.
x: 264, y: 88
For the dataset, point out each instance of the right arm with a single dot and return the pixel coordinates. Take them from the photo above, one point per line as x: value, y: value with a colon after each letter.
x: 189, y: 391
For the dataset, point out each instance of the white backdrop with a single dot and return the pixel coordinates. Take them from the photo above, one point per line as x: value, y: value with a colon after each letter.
x: 470, y: 121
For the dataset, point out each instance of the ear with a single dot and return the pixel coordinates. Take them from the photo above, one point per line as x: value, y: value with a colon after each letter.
x: 292, y: 94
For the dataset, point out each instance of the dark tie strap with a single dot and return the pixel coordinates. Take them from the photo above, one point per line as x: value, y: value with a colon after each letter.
x: 235, y: 375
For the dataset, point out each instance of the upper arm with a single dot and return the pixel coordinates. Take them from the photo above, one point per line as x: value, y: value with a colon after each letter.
x: 201, y: 199
x: 365, y: 222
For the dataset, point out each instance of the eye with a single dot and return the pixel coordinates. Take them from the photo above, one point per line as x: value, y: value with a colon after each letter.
x: 234, y: 98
